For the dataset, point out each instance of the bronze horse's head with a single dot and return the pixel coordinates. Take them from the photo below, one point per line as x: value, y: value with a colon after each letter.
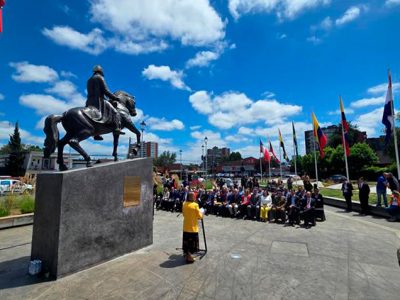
x: 128, y: 101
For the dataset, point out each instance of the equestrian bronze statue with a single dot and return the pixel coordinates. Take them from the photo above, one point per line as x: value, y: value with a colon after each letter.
x: 81, y: 123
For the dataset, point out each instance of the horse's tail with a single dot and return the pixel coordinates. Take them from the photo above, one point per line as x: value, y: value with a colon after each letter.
x: 52, y: 135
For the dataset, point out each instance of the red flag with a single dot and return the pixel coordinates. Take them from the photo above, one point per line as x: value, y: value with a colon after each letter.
x: 2, y: 3
x: 345, y: 129
x: 273, y: 153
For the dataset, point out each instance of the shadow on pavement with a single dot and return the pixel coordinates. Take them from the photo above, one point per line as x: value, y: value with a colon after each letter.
x: 173, y: 261
x: 14, y: 273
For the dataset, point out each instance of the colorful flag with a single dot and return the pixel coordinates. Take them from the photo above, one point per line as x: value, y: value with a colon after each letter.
x: 273, y: 153
x: 320, y: 137
x: 296, y: 151
x: 388, y: 111
x: 346, y: 128
x: 2, y: 3
x: 265, y: 152
x: 282, y: 146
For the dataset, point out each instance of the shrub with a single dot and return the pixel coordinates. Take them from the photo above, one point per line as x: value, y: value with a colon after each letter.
x: 3, y: 210
x: 372, y: 173
x: 27, y: 204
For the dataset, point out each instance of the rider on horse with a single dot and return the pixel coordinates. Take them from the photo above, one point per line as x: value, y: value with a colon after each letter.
x: 97, y: 89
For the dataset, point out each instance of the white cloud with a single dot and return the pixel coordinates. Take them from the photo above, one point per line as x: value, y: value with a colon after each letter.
x: 7, y: 128
x: 92, y: 42
x: 26, y: 72
x: 368, y: 102
x: 196, y: 127
x: 165, y: 125
x: 315, y: 40
x: 370, y: 122
x: 44, y: 104
x: 392, y: 2
x: 284, y: 9
x: 350, y: 15
x: 191, y: 22
x: 347, y: 111
x: 136, y: 27
x: 281, y: 36
x: 201, y: 102
x: 1, y: 97
x: 165, y: 73
x: 382, y: 88
x: 68, y: 74
x: 202, y: 59
x: 235, y: 109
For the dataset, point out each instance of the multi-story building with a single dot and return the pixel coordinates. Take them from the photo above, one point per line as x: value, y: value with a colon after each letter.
x: 329, y: 131
x: 150, y: 149
x: 216, y: 155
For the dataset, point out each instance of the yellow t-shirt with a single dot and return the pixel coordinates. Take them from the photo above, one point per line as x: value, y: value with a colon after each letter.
x: 191, y: 213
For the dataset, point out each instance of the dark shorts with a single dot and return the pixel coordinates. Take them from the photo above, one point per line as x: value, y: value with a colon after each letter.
x: 190, y: 242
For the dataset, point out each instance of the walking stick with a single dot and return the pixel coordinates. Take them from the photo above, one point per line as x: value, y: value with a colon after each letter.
x: 205, y: 240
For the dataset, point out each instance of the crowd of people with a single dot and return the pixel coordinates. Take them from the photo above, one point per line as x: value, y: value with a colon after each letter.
x: 245, y: 199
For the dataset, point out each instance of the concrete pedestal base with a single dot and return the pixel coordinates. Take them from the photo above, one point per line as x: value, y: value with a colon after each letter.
x: 80, y: 218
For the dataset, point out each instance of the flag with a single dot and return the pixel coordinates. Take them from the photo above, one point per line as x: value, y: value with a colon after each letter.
x: 388, y: 111
x: 296, y: 151
x: 2, y: 3
x: 345, y: 128
x: 273, y: 153
x: 320, y: 137
x: 282, y: 146
x: 265, y: 152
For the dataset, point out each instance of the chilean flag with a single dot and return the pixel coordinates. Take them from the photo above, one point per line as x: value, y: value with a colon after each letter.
x: 2, y: 3
x: 265, y: 152
x: 388, y: 112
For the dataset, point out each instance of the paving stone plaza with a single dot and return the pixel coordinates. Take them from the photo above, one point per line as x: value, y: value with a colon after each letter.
x: 346, y: 257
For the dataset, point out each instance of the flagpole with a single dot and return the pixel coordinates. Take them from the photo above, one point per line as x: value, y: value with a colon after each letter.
x: 269, y: 168
x: 315, y: 159
x: 280, y: 162
x: 396, y: 147
x: 343, y: 140
x: 261, y: 167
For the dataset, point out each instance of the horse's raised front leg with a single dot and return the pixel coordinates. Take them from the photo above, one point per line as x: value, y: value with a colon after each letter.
x: 134, y: 130
x: 115, y: 149
x: 75, y: 145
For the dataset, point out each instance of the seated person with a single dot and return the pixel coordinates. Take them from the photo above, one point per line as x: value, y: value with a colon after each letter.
x: 278, y: 210
x: 265, y: 206
x: 165, y: 198
x: 244, y: 203
x: 307, y: 205
x: 319, y: 205
x: 394, y: 209
x: 292, y: 208
x: 209, y: 205
x: 253, y: 209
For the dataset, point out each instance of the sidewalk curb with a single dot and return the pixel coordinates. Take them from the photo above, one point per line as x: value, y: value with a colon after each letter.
x: 15, y: 221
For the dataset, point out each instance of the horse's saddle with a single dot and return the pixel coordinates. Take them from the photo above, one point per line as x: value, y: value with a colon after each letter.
x: 105, y: 118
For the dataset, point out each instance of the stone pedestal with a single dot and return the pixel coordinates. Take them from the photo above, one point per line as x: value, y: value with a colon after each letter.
x: 87, y: 216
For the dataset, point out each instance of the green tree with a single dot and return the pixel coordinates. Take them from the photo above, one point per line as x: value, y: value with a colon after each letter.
x: 361, y: 156
x: 234, y: 156
x: 165, y: 159
x: 335, y: 139
x: 16, y: 156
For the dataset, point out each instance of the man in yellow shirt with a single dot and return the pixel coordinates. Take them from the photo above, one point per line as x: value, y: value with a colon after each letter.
x: 191, y: 215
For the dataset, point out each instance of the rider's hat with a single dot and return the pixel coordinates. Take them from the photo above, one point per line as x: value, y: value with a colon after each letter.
x: 97, y: 69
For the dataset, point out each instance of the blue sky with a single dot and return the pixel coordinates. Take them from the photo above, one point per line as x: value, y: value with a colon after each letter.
x: 232, y: 70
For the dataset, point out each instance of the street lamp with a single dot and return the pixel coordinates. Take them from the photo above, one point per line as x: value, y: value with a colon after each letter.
x: 205, y: 143
x: 180, y: 153
x: 142, y: 127
x: 202, y: 156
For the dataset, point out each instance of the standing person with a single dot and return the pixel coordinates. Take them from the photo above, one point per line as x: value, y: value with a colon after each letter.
x: 347, y: 191
x: 381, y: 185
x: 392, y: 182
x: 307, y: 184
x: 363, y: 193
x: 289, y: 183
x: 191, y: 214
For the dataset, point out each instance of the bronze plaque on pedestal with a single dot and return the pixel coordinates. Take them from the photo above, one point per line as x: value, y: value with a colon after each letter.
x: 131, y: 191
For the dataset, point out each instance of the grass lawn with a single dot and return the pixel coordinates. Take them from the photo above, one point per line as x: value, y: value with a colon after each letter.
x: 16, y: 204
x: 338, y: 194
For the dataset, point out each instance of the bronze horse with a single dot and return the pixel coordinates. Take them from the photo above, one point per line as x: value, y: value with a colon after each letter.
x: 80, y: 123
